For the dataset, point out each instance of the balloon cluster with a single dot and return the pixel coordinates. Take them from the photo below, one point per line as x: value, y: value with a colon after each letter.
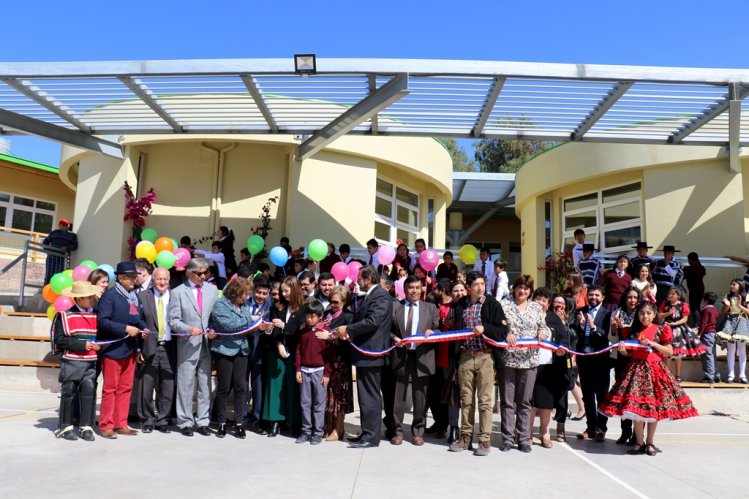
x: 164, y: 251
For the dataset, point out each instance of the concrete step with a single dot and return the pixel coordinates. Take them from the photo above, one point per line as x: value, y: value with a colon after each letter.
x: 25, y: 350
x: 27, y: 326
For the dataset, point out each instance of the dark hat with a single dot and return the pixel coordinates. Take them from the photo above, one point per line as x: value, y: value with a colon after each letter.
x: 642, y: 244
x: 589, y: 247
x: 126, y: 268
x: 670, y: 247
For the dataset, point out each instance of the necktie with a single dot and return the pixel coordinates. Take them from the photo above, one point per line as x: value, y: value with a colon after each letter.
x: 160, y: 317
x: 371, y: 259
x: 200, y: 299
x: 496, y: 286
x: 483, y: 267
x: 410, y: 323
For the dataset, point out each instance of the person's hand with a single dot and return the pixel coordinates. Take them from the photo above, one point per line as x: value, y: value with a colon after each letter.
x: 90, y: 346
x: 325, y: 381
x: 139, y: 359
x: 282, y: 351
x: 541, y: 335
x: 645, y: 342
x: 590, y: 320
x: 401, y: 344
x: 194, y: 331
x: 299, y: 377
x: 427, y: 333
x: 145, y: 332
x: 560, y: 352
x: 322, y: 335
x: 726, y: 302
x: 278, y: 323
x: 511, y: 339
x: 131, y: 330
x: 212, y: 335
x: 622, y: 349
x: 341, y: 332
x: 478, y: 330
x: 581, y: 318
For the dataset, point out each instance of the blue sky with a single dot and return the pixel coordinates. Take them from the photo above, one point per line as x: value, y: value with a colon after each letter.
x: 636, y: 32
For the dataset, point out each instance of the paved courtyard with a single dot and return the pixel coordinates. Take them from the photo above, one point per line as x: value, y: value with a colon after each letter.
x: 697, y: 457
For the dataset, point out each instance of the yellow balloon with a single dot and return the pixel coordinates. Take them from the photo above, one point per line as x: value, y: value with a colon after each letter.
x: 147, y: 250
x: 468, y: 253
x: 69, y: 272
x: 51, y: 312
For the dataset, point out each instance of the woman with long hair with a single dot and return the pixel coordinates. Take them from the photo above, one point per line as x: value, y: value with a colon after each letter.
x: 643, y: 280
x: 576, y: 289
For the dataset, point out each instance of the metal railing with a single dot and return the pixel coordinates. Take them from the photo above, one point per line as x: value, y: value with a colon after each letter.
x: 31, y: 248
x: 12, y: 242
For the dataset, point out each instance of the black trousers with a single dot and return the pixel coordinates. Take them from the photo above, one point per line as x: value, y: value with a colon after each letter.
x: 388, y: 398
x: 368, y: 384
x: 78, y: 378
x: 231, y: 374
x: 157, y: 374
x: 595, y: 381
x: 434, y: 399
x: 254, y: 378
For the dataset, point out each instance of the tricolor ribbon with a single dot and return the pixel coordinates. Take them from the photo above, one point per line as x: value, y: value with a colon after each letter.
x: 259, y: 322
x: 109, y: 342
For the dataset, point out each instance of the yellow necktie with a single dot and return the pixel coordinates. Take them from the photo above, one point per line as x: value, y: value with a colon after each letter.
x: 160, y: 317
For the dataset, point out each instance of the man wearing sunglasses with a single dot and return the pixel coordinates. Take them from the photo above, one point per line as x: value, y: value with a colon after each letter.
x: 190, y: 307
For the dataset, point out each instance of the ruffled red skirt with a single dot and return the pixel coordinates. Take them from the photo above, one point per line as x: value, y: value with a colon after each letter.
x: 647, y: 392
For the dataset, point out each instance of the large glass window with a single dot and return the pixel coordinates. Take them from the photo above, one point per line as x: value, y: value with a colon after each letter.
x: 22, y: 213
x: 396, y: 214
x: 611, y: 218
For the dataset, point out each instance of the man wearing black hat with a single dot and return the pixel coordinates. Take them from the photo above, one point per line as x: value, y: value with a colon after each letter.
x: 642, y: 258
x: 667, y: 272
x: 589, y: 266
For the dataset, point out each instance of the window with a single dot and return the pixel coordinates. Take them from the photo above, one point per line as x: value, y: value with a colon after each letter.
x: 24, y: 213
x: 611, y: 218
x: 396, y: 214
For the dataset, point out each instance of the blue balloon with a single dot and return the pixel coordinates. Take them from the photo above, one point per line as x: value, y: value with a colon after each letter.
x: 108, y: 269
x: 278, y: 256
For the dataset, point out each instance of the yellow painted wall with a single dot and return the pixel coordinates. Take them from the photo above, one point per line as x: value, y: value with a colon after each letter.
x: 36, y: 184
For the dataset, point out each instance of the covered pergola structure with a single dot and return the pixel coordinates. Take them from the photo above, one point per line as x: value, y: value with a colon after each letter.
x: 74, y: 102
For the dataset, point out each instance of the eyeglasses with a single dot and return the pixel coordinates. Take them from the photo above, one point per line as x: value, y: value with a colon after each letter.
x: 199, y: 273
x: 335, y: 302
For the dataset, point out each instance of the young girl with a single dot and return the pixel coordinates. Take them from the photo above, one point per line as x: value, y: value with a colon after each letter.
x: 647, y: 392
x: 674, y: 311
x: 577, y: 290
x: 736, y: 329
x: 644, y: 282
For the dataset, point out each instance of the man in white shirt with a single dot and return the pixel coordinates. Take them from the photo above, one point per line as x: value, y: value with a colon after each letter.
x: 486, y: 267
x: 577, y: 249
x: 372, y: 259
x: 218, y: 259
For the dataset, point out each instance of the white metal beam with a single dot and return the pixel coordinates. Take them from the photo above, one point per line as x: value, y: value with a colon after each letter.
x: 709, y: 114
x: 58, y: 134
x: 390, y: 92
x: 142, y: 91
x: 734, y: 129
x: 34, y: 93
x: 604, y: 105
x: 486, y: 109
x: 374, y: 120
x: 260, y: 102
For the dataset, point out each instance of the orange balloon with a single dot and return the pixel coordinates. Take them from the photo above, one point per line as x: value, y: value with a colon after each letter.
x: 49, y: 295
x: 164, y: 244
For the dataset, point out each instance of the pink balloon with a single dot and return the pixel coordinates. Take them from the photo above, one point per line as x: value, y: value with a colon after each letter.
x: 353, y: 271
x: 63, y: 303
x: 81, y: 273
x: 429, y: 260
x: 183, y: 257
x: 386, y: 254
x: 339, y: 271
x: 399, y: 290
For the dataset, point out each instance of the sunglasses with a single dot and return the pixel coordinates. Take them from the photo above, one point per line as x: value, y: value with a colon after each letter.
x: 335, y: 302
x: 197, y: 273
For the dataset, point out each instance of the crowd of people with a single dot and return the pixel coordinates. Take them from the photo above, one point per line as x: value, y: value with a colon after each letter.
x: 285, y: 344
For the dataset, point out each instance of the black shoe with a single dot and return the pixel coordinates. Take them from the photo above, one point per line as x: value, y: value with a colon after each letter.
x: 239, y: 431
x: 256, y: 428
x: 274, y: 427
x: 432, y: 429
x: 363, y: 444
x: 69, y: 434
x: 637, y: 449
x: 524, y: 448
x: 88, y: 435
x: 163, y: 429
x: 632, y: 441
x: 506, y: 447
x: 302, y: 439
x: 204, y: 430
x: 356, y: 438
x: 147, y: 428
x: 454, y: 434
x: 221, y: 432
x: 624, y: 439
x: 186, y: 431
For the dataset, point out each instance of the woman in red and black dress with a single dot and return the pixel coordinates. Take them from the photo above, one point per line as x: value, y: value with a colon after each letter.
x: 648, y: 392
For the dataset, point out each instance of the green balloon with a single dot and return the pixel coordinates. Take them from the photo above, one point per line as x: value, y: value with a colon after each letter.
x: 317, y: 249
x: 255, y: 244
x: 149, y: 234
x: 90, y: 264
x: 165, y: 259
x: 174, y: 241
x: 59, y: 282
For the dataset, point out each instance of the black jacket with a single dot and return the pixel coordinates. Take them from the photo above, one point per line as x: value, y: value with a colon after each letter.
x: 371, y: 327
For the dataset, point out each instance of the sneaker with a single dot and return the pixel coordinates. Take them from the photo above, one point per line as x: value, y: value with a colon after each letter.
x: 315, y: 440
x: 483, y: 449
x: 302, y: 439
x: 463, y: 443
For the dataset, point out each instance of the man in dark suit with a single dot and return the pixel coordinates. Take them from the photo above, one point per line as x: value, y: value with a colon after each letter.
x: 412, y: 361
x: 592, y: 328
x: 371, y: 331
x: 158, y: 356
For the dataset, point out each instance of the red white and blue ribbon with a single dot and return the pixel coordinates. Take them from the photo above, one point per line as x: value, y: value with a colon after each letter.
x: 257, y: 324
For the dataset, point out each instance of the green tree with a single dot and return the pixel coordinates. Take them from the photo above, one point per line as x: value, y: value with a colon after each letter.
x: 508, y: 155
x: 461, y: 163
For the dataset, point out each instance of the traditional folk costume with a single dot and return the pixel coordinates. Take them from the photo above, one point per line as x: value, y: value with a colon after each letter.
x: 735, y: 336
x: 686, y: 342
x: 648, y: 391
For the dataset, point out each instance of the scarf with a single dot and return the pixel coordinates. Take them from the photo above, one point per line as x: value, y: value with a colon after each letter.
x: 131, y: 297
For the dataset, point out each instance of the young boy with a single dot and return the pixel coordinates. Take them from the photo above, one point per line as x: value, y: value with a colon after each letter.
x: 708, y: 325
x: 589, y: 266
x: 74, y: 332
x: 313, y: 368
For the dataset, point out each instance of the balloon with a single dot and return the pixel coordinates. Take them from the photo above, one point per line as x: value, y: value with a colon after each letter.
x: 109, y: 270
x: 386, y: 254
x: 164, y: 244
x: 49, y: 295
x: 148, y: 234
x: 59, y: 282
x: 63, y: 303
x: 278, y: 256
x: 468, y: 253
x: 339, y: 271
x: 165, y: 259
x: 88, y: 263
x: 51, y: 312
x: 147, y: 250
x: 255, y: 244
x: 399, y: 289
x: 353, y: 270
x: 68, y: 272
x: 429, y: 259
x: 317, y: 249
x: 81, y: 273
x: 182, y: 257
x: 175, y: 245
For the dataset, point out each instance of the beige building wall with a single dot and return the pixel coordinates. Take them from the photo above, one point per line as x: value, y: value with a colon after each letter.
x: 37, y: 184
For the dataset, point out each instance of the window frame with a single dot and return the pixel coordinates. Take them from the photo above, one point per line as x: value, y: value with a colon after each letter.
x: 393, y: 221
x: 10, y: 207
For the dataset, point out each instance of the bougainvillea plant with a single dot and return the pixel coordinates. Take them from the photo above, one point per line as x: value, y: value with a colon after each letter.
x: 136, y: 211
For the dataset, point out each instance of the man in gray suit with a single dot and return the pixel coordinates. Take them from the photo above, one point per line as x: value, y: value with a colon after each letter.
x: 410, y: 317
x: 190, y: 307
